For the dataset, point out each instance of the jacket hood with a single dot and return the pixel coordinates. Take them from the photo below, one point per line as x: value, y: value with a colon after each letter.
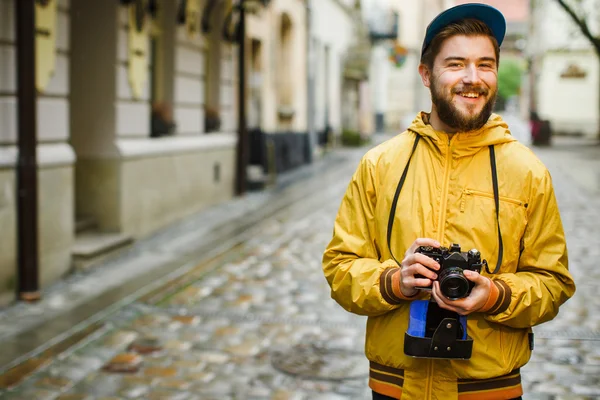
x: 494, y: 132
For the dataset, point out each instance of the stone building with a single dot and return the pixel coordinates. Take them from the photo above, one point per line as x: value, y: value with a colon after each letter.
x: 138, y: 110
x: 564, y: 68
x: 137, y: 118
x: 340, y: 50
x: 276, y: 38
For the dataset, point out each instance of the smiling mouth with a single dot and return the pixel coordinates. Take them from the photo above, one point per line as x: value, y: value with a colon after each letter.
x: 470, y: 95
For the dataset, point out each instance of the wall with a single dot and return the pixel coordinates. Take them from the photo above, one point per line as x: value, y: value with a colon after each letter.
x: 264, y: 26
x: 190, y: 82
x: 132, y: 114
x: 571, y: 104
x: 333, y: 32
x: 130, y: 182
x: 174, y: 186
x: 406, y: 95
x: 555, y: 41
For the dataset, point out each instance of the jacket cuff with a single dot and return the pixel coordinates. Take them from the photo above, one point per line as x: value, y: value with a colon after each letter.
x: 499, y: 298
x: 389, y: 284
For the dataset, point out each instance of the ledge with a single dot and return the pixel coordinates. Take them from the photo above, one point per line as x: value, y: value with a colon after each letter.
x: 48, y: 155
x: 146, y: 147
x: 62, y: 154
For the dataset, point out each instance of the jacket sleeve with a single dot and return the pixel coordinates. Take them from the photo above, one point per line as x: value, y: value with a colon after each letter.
x: 542, y: 282
x: 359, y: 282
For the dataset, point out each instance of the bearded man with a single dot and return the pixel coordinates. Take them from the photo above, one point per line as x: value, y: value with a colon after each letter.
x: 455, y: 176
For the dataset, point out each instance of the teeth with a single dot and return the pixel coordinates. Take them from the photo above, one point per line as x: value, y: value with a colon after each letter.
x: 472, y: 95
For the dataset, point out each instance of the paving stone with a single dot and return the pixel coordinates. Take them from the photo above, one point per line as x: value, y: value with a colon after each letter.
x: 54, y: 383
x: 76, y: 396
x: 165, y: 395
x: 593, y: 391
x: 213, y: 357
x: 177, y: 345
x: 120, y: 339
x: 160, y: 372
x: 288, y: 395
x: 188, y: 365
x: 187, y: 319
x: 174, y: 384
x: 134, y: 392
x: 146, y: 345
x: 200, y: 377
x: 124, y: 362
x: 32, y: 394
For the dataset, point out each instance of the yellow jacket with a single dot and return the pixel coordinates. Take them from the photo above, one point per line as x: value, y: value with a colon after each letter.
x: 448, y: 196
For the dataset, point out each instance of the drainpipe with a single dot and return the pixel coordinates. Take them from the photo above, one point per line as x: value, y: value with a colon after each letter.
x: 27, y: 216
x: 242, y: 144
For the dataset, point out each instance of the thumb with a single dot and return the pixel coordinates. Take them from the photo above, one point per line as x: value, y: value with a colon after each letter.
x: 474, y: 276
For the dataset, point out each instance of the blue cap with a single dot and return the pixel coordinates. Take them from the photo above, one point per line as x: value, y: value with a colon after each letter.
x: 489, y: 15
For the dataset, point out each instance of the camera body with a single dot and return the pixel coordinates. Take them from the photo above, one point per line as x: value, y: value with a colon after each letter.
x: 453, y: 283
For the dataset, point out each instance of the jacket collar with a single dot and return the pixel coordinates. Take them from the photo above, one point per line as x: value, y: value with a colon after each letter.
x: 495, y: 131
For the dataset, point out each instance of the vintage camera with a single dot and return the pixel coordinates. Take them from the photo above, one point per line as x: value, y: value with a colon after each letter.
x: 453, y: 283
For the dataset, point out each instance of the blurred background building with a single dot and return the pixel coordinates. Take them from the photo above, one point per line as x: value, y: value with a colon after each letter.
x: 564, y: 67
x: 138, y: 124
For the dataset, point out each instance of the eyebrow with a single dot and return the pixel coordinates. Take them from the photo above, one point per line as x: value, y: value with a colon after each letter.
x: 454, y: 58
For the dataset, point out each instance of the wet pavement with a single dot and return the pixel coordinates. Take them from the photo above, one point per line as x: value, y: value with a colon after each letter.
x: 257, y: 322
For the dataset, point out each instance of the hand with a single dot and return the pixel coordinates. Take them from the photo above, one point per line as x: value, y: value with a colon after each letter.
x: 417, y: 264
x: 473, y: 302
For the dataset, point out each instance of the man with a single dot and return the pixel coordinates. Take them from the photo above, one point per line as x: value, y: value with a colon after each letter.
x: 455, y: 176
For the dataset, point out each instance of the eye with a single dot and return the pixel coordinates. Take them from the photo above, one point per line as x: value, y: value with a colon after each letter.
x: 454, y: 64
x: 486, y: 65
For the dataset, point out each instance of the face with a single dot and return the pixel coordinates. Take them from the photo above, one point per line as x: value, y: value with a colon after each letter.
x: 463, y: 82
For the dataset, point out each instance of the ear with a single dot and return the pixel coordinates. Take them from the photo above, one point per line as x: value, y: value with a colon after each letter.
x: 425, y: 75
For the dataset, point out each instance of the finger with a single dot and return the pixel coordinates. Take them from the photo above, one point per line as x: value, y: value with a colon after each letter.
x: 439, y: 298
x: 442, y: 300
x: 426, y: 261
x: 420, y: 282
x: 423, y: 242
x: 422, y: 270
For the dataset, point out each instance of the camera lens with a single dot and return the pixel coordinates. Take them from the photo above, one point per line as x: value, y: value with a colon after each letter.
x: 453, y: 283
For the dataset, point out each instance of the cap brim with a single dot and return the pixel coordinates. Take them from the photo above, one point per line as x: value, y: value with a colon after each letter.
x: 489, y: 15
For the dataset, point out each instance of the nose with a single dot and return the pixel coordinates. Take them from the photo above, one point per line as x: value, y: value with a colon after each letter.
x: 471, y: 75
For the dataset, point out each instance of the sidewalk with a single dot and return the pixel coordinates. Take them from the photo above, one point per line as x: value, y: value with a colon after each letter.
x: 81, y: 299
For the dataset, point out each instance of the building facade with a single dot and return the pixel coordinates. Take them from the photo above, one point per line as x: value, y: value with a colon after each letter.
x: 397, y: 89
x: 340, y: 55
x: 277, y: 102
x: 136, y: 125
x: 138, y: 109
x: 564, y: 69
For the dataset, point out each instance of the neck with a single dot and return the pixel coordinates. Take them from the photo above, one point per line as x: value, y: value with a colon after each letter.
x: 437, y: 124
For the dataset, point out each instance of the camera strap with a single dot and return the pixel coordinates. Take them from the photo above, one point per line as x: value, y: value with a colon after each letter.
x: 396, y: 195
x: 496, y: 201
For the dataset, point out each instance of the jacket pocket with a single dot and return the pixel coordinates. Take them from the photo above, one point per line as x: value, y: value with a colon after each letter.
x: 470, y: 192
x: 478, y: 217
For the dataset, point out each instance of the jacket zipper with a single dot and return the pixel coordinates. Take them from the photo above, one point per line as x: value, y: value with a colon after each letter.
x: 444, y: 198
x: 469, y: 192
x: 428, y: 391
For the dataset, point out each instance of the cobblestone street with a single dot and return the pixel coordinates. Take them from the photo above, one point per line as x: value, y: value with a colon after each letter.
x: 258, y: 323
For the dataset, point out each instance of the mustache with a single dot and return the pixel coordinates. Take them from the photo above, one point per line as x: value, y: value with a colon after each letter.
x: 470, y: 89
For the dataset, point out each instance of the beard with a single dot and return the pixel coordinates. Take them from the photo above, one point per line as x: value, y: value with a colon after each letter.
x: 450, y: 115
